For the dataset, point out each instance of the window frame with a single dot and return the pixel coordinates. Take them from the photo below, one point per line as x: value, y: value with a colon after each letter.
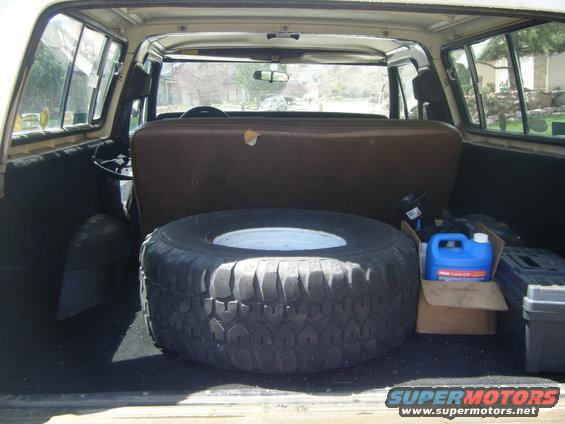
x: 465, y: 43
x: 95, y: 124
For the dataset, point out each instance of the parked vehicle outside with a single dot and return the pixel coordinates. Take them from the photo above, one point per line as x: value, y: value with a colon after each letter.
x: 274, y: 102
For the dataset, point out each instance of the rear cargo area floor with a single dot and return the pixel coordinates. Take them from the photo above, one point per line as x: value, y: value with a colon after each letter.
x: 108, y: 349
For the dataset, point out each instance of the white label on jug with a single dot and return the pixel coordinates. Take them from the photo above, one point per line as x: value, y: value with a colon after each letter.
x: 414, y: 213
x: 461, y: 275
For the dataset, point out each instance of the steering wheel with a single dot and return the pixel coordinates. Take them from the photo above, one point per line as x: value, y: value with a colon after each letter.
x: 117, y: 167
x: 204, y: 112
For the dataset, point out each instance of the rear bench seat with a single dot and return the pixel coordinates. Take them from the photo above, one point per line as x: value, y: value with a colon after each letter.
x: 359, y: 166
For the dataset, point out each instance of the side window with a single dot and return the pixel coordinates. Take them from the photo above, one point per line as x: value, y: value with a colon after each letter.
x: 112, y: 60
x: 41, y: 105
x: 409, y: 106
x: 514, y: 82
x: 85, y: 78
x: 463, y: 75
x: 401, y: 104
x: 497, y: 85
x: 69, y: 79
x: 541, y: 57
x: 136, y: 116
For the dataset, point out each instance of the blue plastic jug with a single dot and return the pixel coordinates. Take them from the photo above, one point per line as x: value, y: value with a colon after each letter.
x: 461, y: 260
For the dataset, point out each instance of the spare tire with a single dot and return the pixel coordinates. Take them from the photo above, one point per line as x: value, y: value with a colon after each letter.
x: 278, y: 290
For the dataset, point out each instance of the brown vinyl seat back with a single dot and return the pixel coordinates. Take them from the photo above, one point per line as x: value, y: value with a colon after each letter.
x: 358, y: 166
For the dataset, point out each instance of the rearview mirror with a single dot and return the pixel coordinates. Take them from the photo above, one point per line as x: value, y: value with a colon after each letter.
x: 270, y: 76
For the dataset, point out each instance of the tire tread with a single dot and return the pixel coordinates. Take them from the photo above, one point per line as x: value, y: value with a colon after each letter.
x: 278, y: 315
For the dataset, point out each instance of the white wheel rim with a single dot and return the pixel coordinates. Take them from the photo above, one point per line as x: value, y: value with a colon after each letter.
x: 279, y: 238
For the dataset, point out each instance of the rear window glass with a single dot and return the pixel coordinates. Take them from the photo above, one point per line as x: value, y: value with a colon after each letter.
x: 231, y: 87
x: 69, y: 79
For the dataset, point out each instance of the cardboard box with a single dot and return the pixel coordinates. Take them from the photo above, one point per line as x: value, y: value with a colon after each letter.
x: 459, y: 307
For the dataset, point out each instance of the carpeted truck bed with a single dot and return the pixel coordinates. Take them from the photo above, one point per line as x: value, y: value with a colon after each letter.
x: 108, y: 349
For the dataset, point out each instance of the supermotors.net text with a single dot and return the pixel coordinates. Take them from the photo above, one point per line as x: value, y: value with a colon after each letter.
x: 451, y: 402
x: 469, y: 412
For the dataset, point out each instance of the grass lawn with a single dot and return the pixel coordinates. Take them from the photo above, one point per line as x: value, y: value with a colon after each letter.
x: 515, y: 125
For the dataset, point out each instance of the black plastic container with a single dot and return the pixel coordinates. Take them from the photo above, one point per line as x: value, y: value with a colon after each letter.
x: 501, y: 229
x: 416, y: 210
x: 533, y: 329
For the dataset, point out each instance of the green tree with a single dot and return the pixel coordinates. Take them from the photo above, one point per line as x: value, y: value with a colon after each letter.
x: 256, y: 89
x: 45, y: 82
x: 546, y: 40
x: 464, y: 77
